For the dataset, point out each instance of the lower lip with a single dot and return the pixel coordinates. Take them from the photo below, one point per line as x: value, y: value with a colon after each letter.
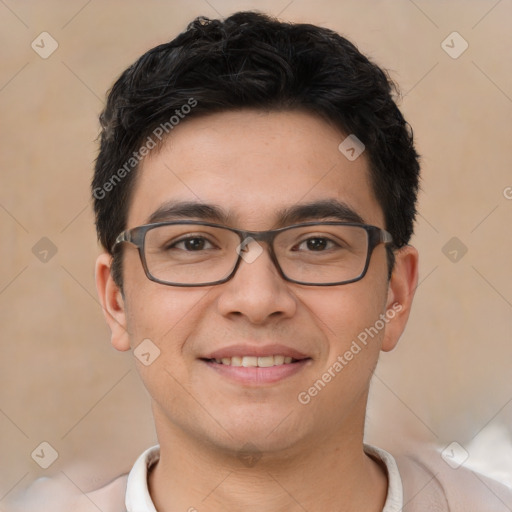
x: 255, y: 375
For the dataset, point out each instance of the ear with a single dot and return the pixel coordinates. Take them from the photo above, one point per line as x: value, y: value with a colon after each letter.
x: 112, y: 302
x: 401, y: 289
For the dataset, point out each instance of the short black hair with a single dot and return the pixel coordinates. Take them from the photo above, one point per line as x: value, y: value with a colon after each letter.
x: 253, y: 61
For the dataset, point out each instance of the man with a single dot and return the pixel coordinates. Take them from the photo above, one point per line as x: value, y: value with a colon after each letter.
x: 255, y: 193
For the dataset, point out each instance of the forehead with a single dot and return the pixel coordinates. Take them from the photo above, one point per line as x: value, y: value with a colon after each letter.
x: 253, y: 166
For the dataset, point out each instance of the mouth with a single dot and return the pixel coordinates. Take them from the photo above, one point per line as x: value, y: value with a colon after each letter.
x: 256, y: 366
x: 255, y: 361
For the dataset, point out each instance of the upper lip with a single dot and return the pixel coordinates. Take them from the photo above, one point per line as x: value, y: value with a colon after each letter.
x: 255, y: 351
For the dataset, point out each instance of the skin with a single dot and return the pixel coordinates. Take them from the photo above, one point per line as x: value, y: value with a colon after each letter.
x: 311, y: 457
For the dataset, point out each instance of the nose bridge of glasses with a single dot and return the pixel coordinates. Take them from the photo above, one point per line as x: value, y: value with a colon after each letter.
x: 248, y: 237
x: 251, y: 245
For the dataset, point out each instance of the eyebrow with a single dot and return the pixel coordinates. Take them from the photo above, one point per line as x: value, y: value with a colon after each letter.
x: 189, y: 210
x: 316, y: 210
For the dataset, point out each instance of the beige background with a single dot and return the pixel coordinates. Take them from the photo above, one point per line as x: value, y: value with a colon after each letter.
x: 61, y: 382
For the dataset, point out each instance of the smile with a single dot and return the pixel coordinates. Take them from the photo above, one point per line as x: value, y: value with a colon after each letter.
x: 253, y: 361
x: 254, y: 371
x: 251, y: 364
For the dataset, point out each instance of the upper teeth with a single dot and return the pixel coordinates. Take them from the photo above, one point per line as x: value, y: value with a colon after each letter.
x: 247, y: 361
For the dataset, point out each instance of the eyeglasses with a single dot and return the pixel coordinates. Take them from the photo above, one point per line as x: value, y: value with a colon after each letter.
x: 196, y: 253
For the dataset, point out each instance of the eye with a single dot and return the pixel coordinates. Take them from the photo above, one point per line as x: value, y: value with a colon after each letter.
x: 192, y: 243
x: 316, y: 243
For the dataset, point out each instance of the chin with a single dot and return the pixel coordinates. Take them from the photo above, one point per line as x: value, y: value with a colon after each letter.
x: 270, y: 433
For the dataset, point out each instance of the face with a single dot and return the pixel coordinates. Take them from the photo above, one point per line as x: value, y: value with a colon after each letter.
x: 253, y: 166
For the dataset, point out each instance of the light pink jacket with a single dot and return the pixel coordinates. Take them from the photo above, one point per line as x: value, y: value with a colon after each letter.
x: 429, y: 484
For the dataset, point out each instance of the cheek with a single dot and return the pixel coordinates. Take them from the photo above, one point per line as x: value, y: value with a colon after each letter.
x: 160, y: 321
x: 153, y: 310
x: 348, y: 313
x: 341, y: 378
x: 165, y: 315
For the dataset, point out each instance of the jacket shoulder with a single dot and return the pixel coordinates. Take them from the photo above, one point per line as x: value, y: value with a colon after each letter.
x: 60, y: 494
x: 430, y: 483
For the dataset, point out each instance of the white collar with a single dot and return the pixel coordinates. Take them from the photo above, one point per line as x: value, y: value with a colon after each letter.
x: 395, y: 498
x: 137, y: 493
x: 139, y: 500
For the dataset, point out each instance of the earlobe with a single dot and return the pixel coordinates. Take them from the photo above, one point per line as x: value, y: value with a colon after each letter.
x: 401, y: 289
x: 112, y: 302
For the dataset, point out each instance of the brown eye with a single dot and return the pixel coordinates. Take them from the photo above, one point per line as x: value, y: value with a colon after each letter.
x: 315, y: 244
x: 191, y: 244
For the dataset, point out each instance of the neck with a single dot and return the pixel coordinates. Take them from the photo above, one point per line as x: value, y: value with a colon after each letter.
x: 330, y: 474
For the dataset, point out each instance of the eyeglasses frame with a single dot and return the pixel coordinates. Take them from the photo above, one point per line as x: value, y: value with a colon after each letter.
x: 137, y: 237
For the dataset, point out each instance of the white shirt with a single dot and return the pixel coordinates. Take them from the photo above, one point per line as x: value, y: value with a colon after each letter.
x: 139, y: 500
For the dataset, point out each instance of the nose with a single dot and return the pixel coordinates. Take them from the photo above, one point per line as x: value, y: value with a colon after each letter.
x: 257, y: 291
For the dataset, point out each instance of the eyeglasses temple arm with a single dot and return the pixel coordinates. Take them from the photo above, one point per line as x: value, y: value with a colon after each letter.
x: 125, y: 236
x: 385, y: 237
